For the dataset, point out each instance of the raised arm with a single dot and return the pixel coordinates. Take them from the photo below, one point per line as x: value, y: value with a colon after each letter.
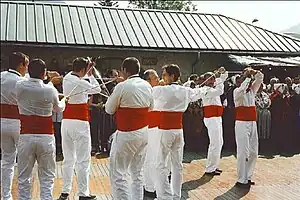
x: 240, y: 91
x: 113, y: 101
x: 259, y: 78
x: 58, y: 105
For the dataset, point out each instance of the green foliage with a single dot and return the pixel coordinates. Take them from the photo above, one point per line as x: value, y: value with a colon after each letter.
x: 164, y: 5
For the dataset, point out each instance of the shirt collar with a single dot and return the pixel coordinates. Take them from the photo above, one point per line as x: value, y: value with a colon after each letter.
x: 14, y: 72
x: 36, y: 80
x: 133, y: 76
x: 72, y: 73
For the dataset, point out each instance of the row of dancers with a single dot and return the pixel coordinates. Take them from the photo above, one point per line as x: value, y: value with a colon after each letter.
x: 148, y: 143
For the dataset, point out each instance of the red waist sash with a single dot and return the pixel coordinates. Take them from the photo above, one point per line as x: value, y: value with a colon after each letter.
x: 131, y: 119
x: 170, y: 120
x: 36, y: 125
x: 77, y: 111
x: 245, y: 113
x: 154, y: 119
x: 213, y: 111
x: 9, y: 111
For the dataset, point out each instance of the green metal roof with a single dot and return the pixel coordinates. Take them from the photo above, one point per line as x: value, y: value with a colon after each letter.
x: 65, y: 25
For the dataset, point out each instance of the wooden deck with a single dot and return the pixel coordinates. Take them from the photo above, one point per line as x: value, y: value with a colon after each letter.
x: 276, y: 178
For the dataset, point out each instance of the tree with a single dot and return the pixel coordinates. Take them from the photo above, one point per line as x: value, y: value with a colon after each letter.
x: 164, y: 5
x: 107, y: 3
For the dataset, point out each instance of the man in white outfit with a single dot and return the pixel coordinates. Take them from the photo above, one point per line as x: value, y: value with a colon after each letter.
x: 36, y: 101
x: 245, y: 125
x: 151, y: 76
x: 10, y: 122
x: 173, y: 100
x: 130, y: 102
x: 213, y: 110
x: 75, y: 127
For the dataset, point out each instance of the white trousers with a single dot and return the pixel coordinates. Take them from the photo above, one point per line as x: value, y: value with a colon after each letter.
x: 215, y: 134
x: 171, y: 144
x: 247, y: 149
x: 127, y: 158
x: 10, y: 131
x: 76, y: 148
x: 40, y: 148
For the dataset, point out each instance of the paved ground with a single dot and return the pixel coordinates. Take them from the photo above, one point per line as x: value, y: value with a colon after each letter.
x: 276, y: 177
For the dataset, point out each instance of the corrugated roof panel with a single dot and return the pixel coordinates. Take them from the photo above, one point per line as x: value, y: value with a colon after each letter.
x: 50, y: 35
x: 21, y: 23
x: 136, y: 28
x: 243, y: 30
x: 144, y: 27
x: 253, y: 37
x: 188, y: 36
x: 76, y: 24
x: 128, y: 28
x: 204, y: 27
x: 234, y: 27
x: 217, y: 31
x: 59, y: 26
x: 68, y: 29
x: 165, y: 23
x: 85, y: 26
x: 11, y: 23
x: 111, y: 27
x: 198, y: 30
x: 40, y: 23
x: 103, y: 28
x: 94, y: 26
x: 3, y: 21
x: 30, y: 21
x: 234, y: 40
x: 164, y: 36
x: 176, y: 30
x: 120, y: 29
x: 152, y: 29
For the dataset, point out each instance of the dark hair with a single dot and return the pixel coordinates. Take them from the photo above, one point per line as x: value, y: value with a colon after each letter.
x: 193, y: 77
x: 132, y: 65
x: 17, y: 58
x: 36, y: 68
x: 147, y: 73
x: 79, y: 64
x: 110, y: 72
x: 172, y: 69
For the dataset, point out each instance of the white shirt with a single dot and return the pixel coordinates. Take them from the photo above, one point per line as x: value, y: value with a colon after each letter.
x: 131, y: 93
x: 212, y: 95
x: 36, y: 98
x: 175, y: 98
x: 83, y: 87
x: 242, y: 97
x: 8, y: 86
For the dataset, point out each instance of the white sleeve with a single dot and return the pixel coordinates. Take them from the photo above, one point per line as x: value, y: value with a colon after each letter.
x: 240, y: 91
x: 58, y: 106
x: 259, y: 78
x: 195, y: 94
x: 217, y: 91
x: 113, y: 101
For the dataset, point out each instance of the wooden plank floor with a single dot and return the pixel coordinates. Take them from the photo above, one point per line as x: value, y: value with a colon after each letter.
x: 276, y: 178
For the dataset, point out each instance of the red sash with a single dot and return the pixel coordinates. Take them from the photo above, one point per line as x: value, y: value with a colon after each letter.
x: 154, y: 119
x: 245, y: 113
x: 9, y: 111
x: 36, y: 125
x: 131, y: 119
x: 213, y: 111
x: 77, y: 111
x: 170, y: 120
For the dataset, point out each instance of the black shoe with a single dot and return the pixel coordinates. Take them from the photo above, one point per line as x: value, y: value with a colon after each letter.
x: 251, y: 182
x: 149, y: 194
x: 88, y: 197
x: 169, y: 177
x: 63, y: 196
x: 242, y: 185
x: 215, y: 173
x: 219, y: 170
